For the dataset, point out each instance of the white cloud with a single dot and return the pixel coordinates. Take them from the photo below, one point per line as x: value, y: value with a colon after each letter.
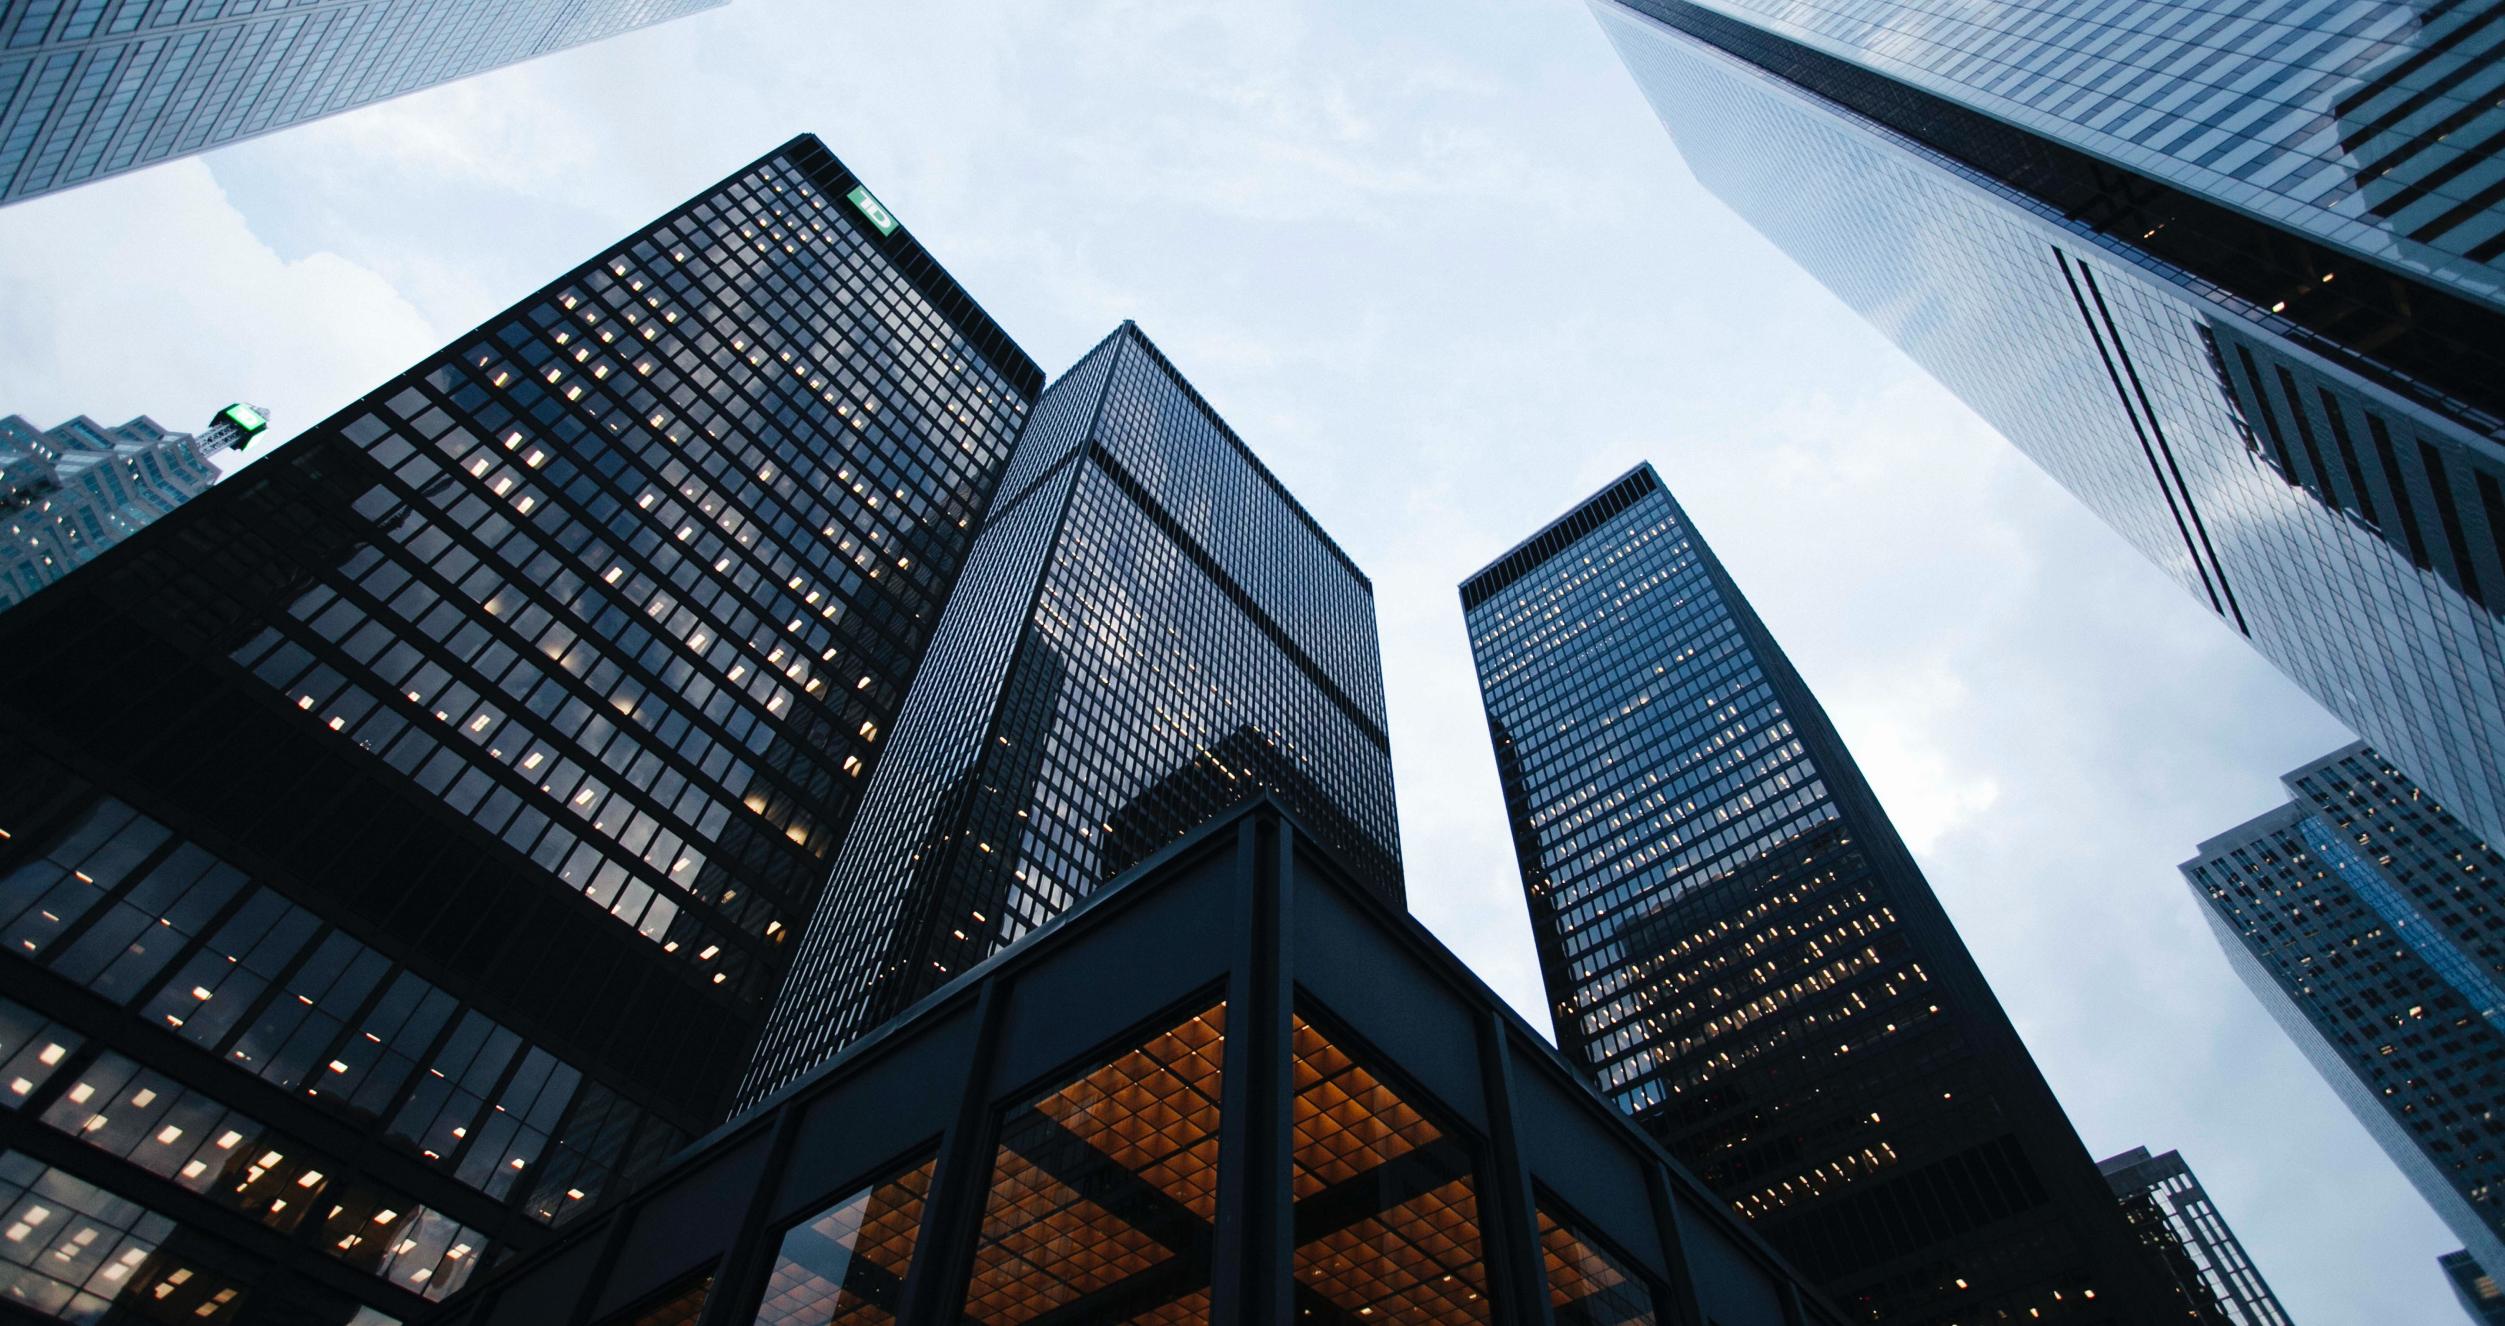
x: 150, y: 294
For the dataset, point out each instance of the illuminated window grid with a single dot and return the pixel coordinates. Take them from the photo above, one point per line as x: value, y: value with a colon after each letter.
x: 1347, y: 1122
x: 1150, y: 1114
x: 71, y: 1250
x: 1587, y: 1285
x: 1417, y: 1261
x: 846, y: 1264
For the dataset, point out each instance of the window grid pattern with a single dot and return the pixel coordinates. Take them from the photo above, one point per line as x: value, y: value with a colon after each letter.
x: 2350, y: 523
x: 2217, y: 1277
x: 75, y: 1252
x: 2370, y: 123
x: 1725, y: 956
x: 1134, y: 650
x: 2363, y: 915
x: 90, y: 88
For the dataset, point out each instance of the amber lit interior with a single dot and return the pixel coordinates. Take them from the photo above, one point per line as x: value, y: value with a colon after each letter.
x: 1586, y: 1286
x: 1387, y: 1217
x: 1103, y: 1191
x: 845, y: 1265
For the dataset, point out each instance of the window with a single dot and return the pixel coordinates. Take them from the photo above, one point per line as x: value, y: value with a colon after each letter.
x: 1387, y: 1215
x: 1586, y: 1285
x: 846, y: 1264
x: 1104, y: 1189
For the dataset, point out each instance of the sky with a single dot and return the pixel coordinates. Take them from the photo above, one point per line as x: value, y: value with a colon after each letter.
x: 1438, y: 264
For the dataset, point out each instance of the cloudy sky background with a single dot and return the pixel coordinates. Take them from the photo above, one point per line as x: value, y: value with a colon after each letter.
x: 1437, y: 262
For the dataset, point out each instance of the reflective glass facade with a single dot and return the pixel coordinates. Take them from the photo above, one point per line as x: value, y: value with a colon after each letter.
x: 2366, y: 918
x: 1233, y: 1087
x: 1740, y: 953
x: 1151, y: 629
x: 68, y: 493
x: 2174, y: 1216
x: 403, y: 840
x: 2295, y: 421
x: 90, y: 88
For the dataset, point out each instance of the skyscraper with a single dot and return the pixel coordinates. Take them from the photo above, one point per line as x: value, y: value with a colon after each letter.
x: 1741, y: 953
x: 2477, y: 1290
x: 2365, y: 918
x: 403, y: 840
x: 69, y: 493
x: 99, y: 87
x: 1150, y: 629
x: 2174, y: 1216
x: 2234, y: 274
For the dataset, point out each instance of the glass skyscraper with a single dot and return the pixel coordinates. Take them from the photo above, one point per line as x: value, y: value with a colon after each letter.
x: 1740, y: 952
x: 1150, y: 630
x: 2231, y: 271
x: 2165, y: 1202
x: 2367, y: 919
x: 402, y: 841
x: 2478, y: 1291
x: 90, y: 88
x: 70, y: 492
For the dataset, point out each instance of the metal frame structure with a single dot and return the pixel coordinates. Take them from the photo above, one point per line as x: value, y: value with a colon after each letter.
x: 1249, y: 911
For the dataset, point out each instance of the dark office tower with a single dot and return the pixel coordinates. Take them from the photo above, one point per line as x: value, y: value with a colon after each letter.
x: 2365, y: 918
x: 2166, y: 1205
x: 93, y: 88
x: 2477, y: 1290
x: 402, y: 841
x: 2232, y: 272
x: 1150, y: 629
x: 1741, y: 953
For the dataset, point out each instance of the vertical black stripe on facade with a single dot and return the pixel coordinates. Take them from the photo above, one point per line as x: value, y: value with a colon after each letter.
x: 2158, y: 430
x: 2347, y: 448
x: 2155, y: 472
x: 2454, y: 538
x: 2391, y: 466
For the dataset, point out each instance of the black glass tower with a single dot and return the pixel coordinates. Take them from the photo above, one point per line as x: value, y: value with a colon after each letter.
x: 1150, y: 630
x: 2233, y: 273
x: 403, y: 840
x: 2478, y: 1291
x: 99, y: 87
x: 2366, y: 918
x: 1740, y: 952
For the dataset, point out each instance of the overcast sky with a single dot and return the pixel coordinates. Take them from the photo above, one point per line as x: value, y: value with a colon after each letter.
x: 1438, y: 264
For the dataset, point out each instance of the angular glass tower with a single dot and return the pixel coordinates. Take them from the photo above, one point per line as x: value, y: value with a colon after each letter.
x: 1740, y: 952
x: 2365, y: 918
x: 2166, y: 1204
x: 1150, y: 630
x: 69, y: 493
x: 97, y: 87
x: 2478, y: 1291
x: 403, y: 840
x: 2233, y: 273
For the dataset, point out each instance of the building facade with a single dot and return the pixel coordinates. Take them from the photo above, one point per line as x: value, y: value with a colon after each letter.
x: 2365, y: 917
x: 1151, y: 629
x: 1739, y: 951
x: 98, y: 87
x: 402, y: 842
x: 68, y: 493
x: 2478, y: 1291
x: 2232, y: 273
x: 2173, y: 1215
x: 1234, y: 1087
